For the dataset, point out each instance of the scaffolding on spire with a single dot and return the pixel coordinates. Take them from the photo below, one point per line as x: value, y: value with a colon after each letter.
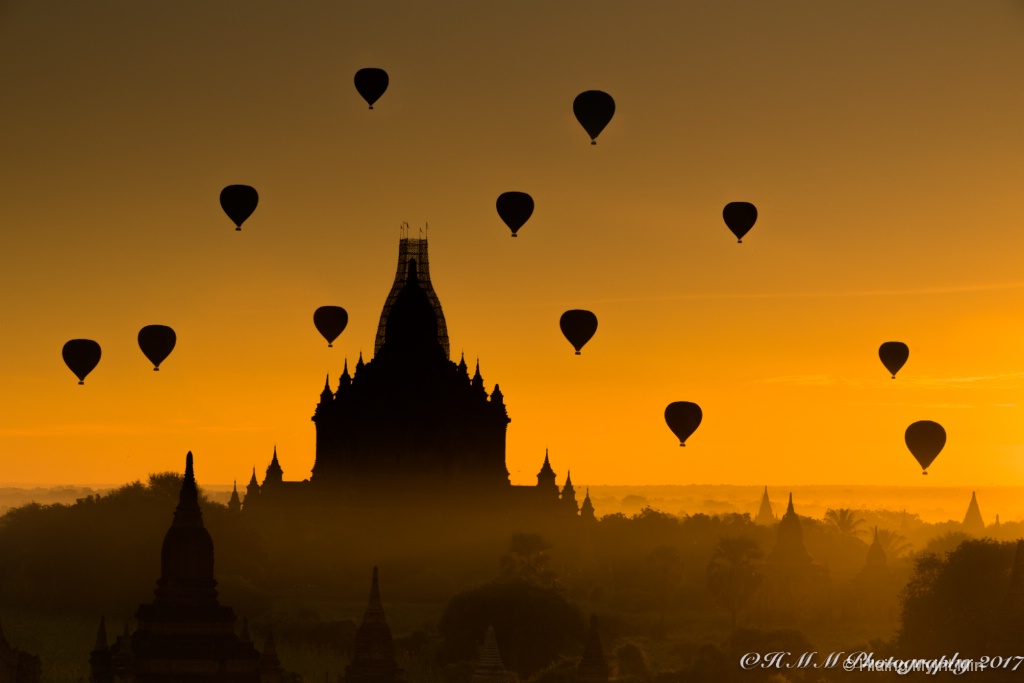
x: 413, y: 249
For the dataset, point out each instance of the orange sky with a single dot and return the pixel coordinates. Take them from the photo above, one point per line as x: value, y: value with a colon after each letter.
x: 880, y: 141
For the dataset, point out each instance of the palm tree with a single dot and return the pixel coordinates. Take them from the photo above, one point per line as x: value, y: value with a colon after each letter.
x: 845, y: 522
x: 894, y: 545
x: 734, y: 573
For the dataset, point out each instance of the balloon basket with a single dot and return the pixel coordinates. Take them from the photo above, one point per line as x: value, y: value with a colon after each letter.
x: 739, y: 241
x: 593, y: 142
x: 156, y: 369
x: 578, y: 353
x: 330, y: 346
x: 513, y: 234
x: 239, y: 229
x: 682, y: 445
x: 924, y: 473
x: 81, y: 381
x: 371, y: 107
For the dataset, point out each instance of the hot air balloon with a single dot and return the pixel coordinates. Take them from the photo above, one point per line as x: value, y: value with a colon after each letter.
x: 893, y: 355
x: 515, y: 208
x: 371, y: 84
x: 925, y: 440
x: 81, y: 355
x: 330, y: 321
x: 578, y: 327
x: 683, y: 418
x: 238, y: 202
x: 593, y: 109
x: 740, y: 217
x: 157, y: 342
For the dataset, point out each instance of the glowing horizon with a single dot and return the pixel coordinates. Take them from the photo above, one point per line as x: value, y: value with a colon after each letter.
x: 884, y: 166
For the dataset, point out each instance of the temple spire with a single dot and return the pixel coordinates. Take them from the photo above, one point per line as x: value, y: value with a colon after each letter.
x: 374, y: 613
x: 765, y: 516
x: 587, y: 509
x: 101, y: 635
x: 593, y: 667
x: 973, y: 522
x: 489, y: 668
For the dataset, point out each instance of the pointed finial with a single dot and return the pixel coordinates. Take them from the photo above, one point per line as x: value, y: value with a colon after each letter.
x: 327, y: 382
x: 789, y: 508
x: 568, y: 478
x: 189, y: 490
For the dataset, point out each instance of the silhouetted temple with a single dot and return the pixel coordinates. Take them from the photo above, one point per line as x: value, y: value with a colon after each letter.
x: 185, y: 634
x: 410, y: 419
x: 876, y: 560
x: 17, y: 666
x: 489, y: 668
x: 593, y: 667
x: 764, y: 514
x: 789, y: 546
x: 973, y: 523
x: 373, y: 654
x: 794, y: 586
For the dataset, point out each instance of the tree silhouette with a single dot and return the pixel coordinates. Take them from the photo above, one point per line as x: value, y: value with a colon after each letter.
x: 666, y: 571
x: 950, y: 603
x: 533, y: 625
x: 845, y: 521
x: 893, y: 544
x: 734, y: 573
x: 527, y: 560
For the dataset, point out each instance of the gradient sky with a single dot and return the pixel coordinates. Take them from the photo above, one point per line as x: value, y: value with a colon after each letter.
x: 881, y: 142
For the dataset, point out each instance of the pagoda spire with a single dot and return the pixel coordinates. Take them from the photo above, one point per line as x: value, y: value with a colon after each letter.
x: 373, y: 653
x: 235, y: 503
x: 186, y: 558
x: 593, y: 667
x: 876, y: 559
x: 587, y: 509
x: 101, y: 635
x: 546, y: 478
x: 478, y: 380
x: 973, y: 522
x: 569, y: 494
x: 344, y: 380
x: 765, y: 516
x: 489, y: 668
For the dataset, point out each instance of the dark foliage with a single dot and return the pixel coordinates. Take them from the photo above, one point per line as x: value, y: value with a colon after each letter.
x: 951, y: 603
x: 101, y: 555
x: 533, y: 625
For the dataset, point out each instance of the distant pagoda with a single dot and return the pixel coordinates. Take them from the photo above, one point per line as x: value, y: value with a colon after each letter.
x: 593, y: 667
x: 764, y: 515
x: 373, y: 653
x: 489, y: 668
x: 973, y: 523
x: 185, y: 634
